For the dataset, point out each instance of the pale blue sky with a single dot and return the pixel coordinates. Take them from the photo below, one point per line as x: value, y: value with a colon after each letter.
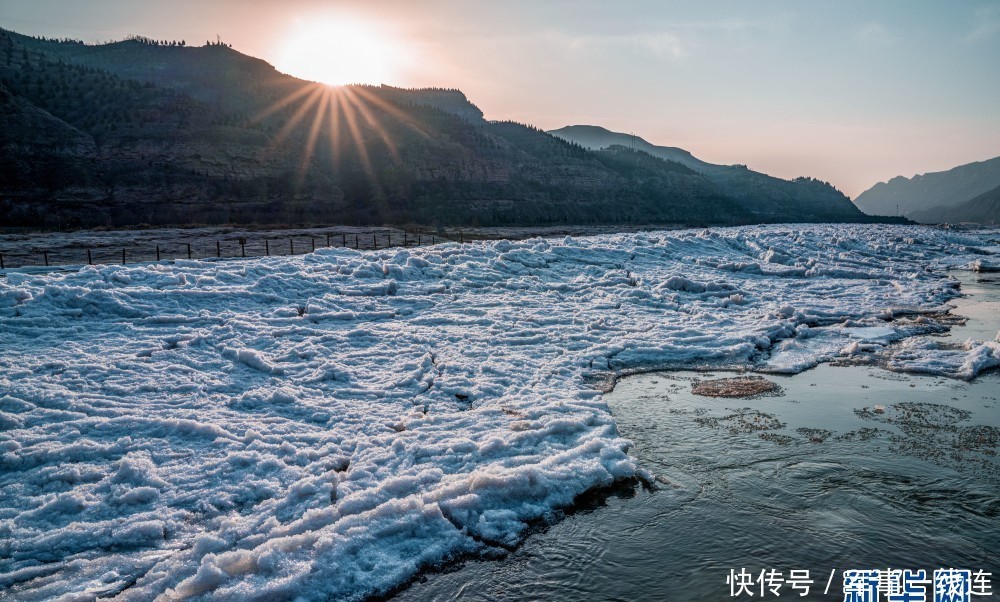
x: 853, y: 92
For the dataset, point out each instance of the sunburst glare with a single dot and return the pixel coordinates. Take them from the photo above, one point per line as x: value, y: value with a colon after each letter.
x: 339, y: 116
x: 338, y: 52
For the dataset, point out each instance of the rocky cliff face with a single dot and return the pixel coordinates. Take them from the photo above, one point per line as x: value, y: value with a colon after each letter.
x: 135, y: 132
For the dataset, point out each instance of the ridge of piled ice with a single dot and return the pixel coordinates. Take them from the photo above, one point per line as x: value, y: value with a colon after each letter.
x: 325, y: 425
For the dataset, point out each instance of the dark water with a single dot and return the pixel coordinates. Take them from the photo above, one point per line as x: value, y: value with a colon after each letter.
x: 814, y: 478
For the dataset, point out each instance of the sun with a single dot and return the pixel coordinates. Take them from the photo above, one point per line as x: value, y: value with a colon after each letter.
x: 337, y: 53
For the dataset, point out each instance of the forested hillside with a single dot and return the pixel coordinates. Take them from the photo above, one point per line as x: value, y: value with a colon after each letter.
x: 161, y: 132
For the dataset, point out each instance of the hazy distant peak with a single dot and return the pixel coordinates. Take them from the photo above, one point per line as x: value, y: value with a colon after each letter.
x: 928, y: 196
x: 733, y: 180
x: 982, y: 209
x: 583, y: 129
x: 601, y: 137
x: 617, y: 137
x: 596, y: 137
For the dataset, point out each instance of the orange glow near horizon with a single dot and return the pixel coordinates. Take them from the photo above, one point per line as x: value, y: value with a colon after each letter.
x: 338, y: 52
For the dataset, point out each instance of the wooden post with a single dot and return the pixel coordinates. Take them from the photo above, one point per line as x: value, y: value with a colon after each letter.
x: 343, y: 239
x: 356, y: 246
x: 267, y: 248
x: 291, y: 246
x: 313, y: 241
x: 89, y: 260
x: 157, y: 252
x: 123, y: 256
x: 461, y: 240
x: 218, y: 249
x: 243, y: 248
x: 46, y: 255
x: 189, y: 250
x: 374, y: 241
x: 432, y: 239
x: 1, y: 261
x: 328, y: 239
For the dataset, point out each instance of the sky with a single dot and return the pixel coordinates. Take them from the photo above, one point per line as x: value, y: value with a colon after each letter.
x: 851, y: 92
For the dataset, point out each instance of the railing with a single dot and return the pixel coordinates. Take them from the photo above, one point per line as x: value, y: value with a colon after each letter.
x: 230, y: 247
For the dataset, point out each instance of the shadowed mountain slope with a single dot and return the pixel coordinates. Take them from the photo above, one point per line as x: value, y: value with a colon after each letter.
x: 764, y: 196
x: 139, y: 131
x: 929, y: 194
x: 982, y: 209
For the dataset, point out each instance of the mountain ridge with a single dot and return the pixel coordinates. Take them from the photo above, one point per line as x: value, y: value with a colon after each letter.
x: 733, y: 180
x: 596, y: 137
x: 982, y: 209
x: 931, y: 193
x: 177, y: 134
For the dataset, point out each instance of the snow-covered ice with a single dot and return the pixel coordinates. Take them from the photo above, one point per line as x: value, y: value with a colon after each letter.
x: 325, y: 425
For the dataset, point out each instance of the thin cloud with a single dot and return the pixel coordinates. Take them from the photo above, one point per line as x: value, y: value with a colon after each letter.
x: 733, y: 25
x: 874, y: 33
x: 662, y: 45
x: 987, y: 24
x: 672, y: 41
x: 666, y: 46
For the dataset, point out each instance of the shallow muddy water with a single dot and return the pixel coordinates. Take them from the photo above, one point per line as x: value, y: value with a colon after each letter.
x: 846, y: 467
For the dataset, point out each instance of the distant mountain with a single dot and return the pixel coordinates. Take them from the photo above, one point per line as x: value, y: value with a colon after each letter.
x: 141, y: 131
x: 929, y: 194
x: 765, y: 196
x: 983, y: 209
x: 596, y: 138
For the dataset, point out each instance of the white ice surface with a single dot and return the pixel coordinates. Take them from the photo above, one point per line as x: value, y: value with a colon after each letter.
x: 324, y: 425
x: 922, y: 354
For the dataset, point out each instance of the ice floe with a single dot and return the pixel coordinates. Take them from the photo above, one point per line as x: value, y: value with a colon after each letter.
x: 325, y: 425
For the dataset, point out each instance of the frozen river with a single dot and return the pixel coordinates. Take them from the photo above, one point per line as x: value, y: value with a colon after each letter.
x: 810, y: 478
x: 330, y: 425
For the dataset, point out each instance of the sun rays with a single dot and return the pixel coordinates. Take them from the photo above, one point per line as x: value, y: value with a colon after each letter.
x: 345, y: 120
x: 341, y: 120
